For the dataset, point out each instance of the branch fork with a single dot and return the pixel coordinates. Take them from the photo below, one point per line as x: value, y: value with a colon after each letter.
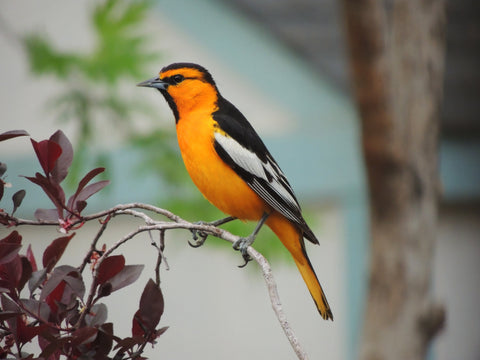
x: 173, y: 222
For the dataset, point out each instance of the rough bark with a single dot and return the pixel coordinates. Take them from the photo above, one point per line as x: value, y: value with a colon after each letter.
x: 397, y: 60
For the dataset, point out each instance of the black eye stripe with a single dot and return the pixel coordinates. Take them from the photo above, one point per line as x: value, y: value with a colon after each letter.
x: 177, y: 79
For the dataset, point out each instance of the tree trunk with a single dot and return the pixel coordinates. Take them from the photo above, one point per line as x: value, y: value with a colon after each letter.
x: 397, y: 60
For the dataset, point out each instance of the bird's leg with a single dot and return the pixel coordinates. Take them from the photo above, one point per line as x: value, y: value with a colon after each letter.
x: 242, y: 244
x: 199, y: 236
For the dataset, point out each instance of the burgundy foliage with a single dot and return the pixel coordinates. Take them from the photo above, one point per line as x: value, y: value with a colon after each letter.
x: 50, y: 305
x: 11, y: 134
x: 55, y: 156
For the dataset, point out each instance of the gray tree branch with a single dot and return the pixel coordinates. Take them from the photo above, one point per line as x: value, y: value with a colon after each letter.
x: 175, y: 222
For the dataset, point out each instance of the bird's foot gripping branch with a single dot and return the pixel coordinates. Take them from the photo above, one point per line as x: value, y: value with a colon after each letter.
x: 52, y: 305
x: 200, y: 237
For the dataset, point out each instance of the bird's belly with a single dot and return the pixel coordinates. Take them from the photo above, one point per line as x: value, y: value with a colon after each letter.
x: 216, y: 180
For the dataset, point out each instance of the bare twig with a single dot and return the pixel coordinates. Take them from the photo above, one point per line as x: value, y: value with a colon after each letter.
x: 175, y: 222
x: 93, y: 245
x: 119, y: 209
x: 160, y: 257
x: 273, y: 293
x: 276, y: 303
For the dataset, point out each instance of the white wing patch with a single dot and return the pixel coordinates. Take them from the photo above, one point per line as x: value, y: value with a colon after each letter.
x: 268, y: 171
x: 243, y: 157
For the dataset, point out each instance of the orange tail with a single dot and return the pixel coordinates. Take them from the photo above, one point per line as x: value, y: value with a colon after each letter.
x: 292, y: 239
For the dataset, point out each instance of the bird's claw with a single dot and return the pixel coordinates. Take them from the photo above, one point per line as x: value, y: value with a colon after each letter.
x: 199, y: 237
x: 198, y: 241
x: 242, y: 245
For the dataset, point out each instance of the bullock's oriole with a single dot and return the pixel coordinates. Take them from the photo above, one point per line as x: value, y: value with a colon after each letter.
x: 231, y: 166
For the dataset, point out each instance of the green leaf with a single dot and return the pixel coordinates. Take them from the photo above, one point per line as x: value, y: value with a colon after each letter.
x: 45, y: 59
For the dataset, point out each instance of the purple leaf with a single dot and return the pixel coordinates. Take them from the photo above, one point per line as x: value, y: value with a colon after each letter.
x: 75, y: 282
x: 11, y: 272
x: 151, y: 309
x: 54, y: 300
x: 51, y: 345
x: 161, y: 331
x: 92, y: 189
x: 77, y: 202
x: 138, y: 329
x: 81, y: 185
x: 110, y: 267
x: 104, y: 290
x: 9, y: 247
x: 79, y: 206
x: 17, y: 199
x: 60, y: 171
x: 31, y: 258
x: 8, y: 304
x: 12, y: 134
x: 97, y: 316
x: 5, y: 315
x: 54, y: 251
x: 3, y: 168
x: 54, y: 191
x: 84, y: 335
x: 128, y: 343
x: 26, y: 272
x: 11, y: 306
x: 39, y: 309
x: 2, y: 188
x: 86, y: 179
x: 26, y: 333
x: 46, y: 214
x: 128, y: 275
x: 48, y: 153
x: 37, y: 278
x: 58, y: 275
x: 104, y: 341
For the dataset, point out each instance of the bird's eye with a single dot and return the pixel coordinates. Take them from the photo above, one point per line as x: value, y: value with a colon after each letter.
x: 177, y: 79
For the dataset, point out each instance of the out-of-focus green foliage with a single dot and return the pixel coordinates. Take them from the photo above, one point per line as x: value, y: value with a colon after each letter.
x: 91, y: 95
x: 173, y: 172
x: 120, y: 51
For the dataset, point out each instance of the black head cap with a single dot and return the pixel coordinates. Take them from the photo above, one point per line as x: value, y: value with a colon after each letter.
x: 181, y: 65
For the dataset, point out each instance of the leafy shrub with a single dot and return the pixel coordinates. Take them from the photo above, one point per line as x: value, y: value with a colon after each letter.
x: 52, y: 304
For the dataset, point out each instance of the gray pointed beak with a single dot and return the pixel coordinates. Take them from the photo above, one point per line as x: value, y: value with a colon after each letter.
x: 154, y: 83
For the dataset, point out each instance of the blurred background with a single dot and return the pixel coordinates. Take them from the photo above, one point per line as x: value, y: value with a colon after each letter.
x: 73, y: 66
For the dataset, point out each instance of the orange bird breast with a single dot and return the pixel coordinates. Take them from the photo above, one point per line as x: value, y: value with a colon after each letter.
x: 216, y: 180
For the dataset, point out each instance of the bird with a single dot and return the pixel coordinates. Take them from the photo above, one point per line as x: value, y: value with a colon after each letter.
x: 231, y: 166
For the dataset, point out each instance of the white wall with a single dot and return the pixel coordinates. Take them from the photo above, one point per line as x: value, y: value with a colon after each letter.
x: 457, y: 283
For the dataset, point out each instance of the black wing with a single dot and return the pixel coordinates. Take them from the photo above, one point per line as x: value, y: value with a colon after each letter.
x: 240, y: 147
